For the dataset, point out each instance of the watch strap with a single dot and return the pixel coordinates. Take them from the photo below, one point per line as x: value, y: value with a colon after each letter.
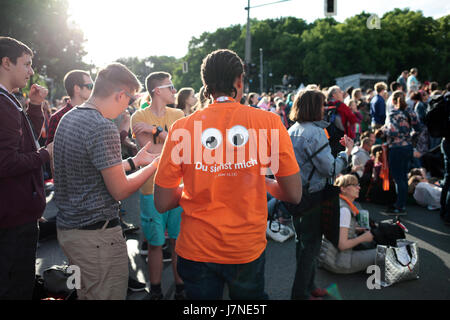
x: 131, y: 162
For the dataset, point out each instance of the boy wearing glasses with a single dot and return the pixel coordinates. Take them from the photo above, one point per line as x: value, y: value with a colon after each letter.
x: 152, y: 124
x: 90, y: 181
x: 79, y: 86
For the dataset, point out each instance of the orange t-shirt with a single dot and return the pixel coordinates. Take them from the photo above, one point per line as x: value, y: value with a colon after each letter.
x: 221, y: 154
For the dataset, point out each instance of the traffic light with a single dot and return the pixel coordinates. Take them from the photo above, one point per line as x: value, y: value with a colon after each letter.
x: 330, y: 8
x: 252, y: 70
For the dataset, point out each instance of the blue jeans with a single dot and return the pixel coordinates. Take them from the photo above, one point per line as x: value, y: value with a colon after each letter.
x: 399, y: 160
x: 445, y: 195
x: 205, y: 281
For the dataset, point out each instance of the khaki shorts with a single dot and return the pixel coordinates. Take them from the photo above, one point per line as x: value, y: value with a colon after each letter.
x: 102, y: 258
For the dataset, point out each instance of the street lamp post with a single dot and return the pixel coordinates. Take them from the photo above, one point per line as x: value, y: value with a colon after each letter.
x: 248, y: 37
x: 261, y: 72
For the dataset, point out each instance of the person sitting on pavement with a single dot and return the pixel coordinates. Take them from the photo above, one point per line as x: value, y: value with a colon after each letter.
x: 425, y: 193
x: 347, y: 258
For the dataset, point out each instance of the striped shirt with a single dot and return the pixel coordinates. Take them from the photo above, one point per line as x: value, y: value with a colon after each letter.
x: 85, y: 144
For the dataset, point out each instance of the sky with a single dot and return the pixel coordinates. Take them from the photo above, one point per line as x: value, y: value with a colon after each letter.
x: 142, y: 28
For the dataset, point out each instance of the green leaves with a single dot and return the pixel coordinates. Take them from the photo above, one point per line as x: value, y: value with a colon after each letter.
x: 42, y: 25
x: 323, y: 50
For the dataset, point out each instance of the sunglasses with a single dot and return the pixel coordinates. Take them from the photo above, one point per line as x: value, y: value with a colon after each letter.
x: 170, y: 86
x: 90, y: 86
x: 132, y: 99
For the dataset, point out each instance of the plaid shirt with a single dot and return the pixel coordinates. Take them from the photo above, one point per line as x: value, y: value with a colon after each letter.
x: 54, y: 121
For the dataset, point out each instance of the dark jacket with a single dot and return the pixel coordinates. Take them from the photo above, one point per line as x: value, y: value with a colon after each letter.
x: 22, y: 195
x: 378, y: 110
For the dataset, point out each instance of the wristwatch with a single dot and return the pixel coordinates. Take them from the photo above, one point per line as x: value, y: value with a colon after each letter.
x: 159, y: 129
x: 132, y: 165
x: 156, y: 133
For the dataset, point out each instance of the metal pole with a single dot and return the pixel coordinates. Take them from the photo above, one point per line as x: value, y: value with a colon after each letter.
x: 248, y: 39
x: 261, y: 71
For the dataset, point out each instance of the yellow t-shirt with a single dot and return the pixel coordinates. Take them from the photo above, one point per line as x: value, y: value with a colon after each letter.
x: 147, y: 116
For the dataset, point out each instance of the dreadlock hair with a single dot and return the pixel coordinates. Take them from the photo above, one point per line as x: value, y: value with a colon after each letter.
x: 219, y: 70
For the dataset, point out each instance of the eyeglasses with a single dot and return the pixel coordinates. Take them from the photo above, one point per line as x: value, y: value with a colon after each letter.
x: 132, y: 99
x: 90, y: 86
x: 170, y: 86
x: 354, y: 185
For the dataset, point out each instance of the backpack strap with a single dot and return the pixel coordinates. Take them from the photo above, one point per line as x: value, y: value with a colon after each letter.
x: 314, y: 168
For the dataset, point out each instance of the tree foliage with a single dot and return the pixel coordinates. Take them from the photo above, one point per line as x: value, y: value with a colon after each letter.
x: 143, y: 67
x: 323, y: 50
x: 317, y: 52
x: 43, y: 26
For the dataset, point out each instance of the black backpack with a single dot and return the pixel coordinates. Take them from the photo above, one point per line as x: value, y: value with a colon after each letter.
x: 335, y: 128
x: 437, y: 117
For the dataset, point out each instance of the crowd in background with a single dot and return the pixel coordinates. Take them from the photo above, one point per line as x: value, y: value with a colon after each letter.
x: 373, y: 142
x: 365, y: 116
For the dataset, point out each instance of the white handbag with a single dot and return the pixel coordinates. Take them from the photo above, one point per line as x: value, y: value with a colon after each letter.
x: 399, y: 263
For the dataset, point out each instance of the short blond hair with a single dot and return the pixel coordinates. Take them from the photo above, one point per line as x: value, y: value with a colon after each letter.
x: 346, y: 180
x: 114, y: 77
x: 380, y: 86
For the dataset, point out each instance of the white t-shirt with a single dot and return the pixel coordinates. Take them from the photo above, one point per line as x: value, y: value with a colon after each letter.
x: 346, y: 217
x: 427, y: 194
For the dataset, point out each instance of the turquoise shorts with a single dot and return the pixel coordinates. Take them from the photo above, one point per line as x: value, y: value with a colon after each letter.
x: 154, y: 224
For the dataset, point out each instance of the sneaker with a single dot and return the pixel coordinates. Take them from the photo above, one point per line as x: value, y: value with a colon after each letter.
x: 279, y: 232
x: 135, y: 285
x: 143, y: 250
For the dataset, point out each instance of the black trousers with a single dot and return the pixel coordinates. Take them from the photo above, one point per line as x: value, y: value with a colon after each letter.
x: 308, y: 242
x: 18, y: 261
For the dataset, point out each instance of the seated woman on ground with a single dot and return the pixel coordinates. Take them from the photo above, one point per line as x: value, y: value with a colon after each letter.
x: 356, y: 248
x: 424, y: 192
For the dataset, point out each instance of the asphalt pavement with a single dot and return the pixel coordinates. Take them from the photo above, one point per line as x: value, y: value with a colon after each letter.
x: 425, y: 227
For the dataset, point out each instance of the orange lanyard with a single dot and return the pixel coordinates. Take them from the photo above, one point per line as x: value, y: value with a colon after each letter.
x: 350, y: 204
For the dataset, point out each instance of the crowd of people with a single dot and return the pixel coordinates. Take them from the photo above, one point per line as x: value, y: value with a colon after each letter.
x: 110, y: 138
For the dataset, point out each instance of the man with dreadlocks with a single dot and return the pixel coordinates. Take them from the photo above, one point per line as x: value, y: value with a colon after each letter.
x: 221, y: 154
